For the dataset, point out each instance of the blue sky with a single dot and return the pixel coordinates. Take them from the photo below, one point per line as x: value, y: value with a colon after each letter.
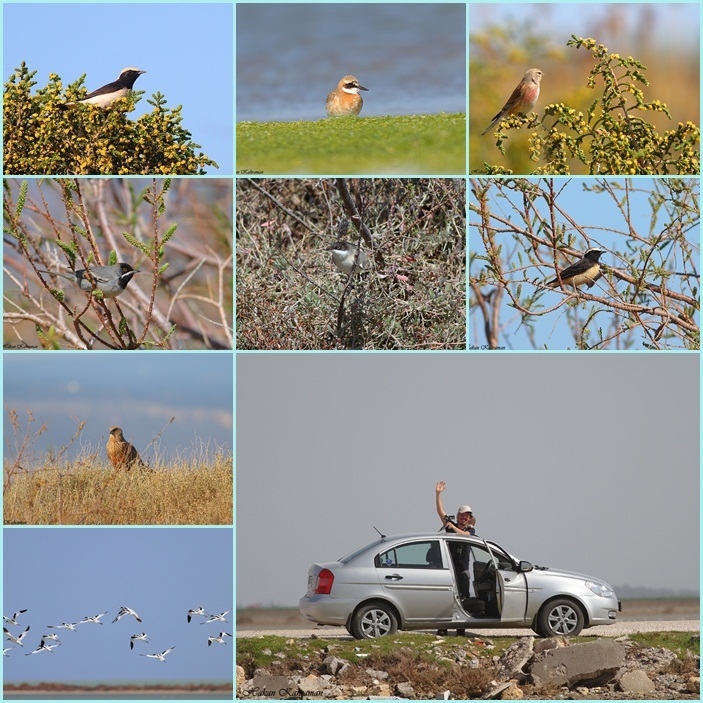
x: 139, y: 392
x: 186, y: 49
x: 65, y: 574
x: 603, y: 222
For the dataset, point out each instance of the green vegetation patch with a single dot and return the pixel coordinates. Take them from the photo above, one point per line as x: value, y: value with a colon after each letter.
x: 422, y: 144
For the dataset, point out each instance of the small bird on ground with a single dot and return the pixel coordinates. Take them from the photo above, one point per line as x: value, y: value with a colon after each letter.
x: 345, y: 100
x: 585, y: 271
x: 122, y: 455
x: 111, y: 280
x: 105, y: 96
x: 522, y: 100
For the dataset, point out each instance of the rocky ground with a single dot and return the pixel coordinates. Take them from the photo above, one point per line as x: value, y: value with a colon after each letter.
x: 530, y: 668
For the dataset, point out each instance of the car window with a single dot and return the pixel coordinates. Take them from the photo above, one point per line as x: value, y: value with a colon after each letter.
x: 416, y: 555
x: 482, y: 556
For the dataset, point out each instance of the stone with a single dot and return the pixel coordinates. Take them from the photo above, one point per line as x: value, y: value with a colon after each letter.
x: 636, y: 682
x: 512, y: 693
x: 405, y: 689
x: 312, y: 687
x: 515, y: 657
x: 587, y: 664
x: 694, y: 684
x: 549, y: 643
x: 241, y: 676
x: 335, y: 665
x: 274, y: 687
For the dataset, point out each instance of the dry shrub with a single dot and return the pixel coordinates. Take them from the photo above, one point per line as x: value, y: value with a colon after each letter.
x: 289, y: 292
x: 90, y: 493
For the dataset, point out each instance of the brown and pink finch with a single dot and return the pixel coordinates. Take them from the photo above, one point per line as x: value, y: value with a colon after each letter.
x: 522, y: 100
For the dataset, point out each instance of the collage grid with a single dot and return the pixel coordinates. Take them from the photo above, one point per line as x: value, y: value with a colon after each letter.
x: 348, y: 271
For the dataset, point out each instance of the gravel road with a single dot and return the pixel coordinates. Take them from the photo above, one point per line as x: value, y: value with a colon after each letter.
x: 615, y: 630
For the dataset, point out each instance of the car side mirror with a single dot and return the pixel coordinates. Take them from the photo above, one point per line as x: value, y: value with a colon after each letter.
x: 524, y: 566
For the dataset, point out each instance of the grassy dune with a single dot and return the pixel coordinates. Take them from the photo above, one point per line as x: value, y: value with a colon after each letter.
x: 92, y: 493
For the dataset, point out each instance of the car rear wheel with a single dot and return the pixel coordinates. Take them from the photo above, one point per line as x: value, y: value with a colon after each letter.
x: 373, y: 620
x: 561, y: 617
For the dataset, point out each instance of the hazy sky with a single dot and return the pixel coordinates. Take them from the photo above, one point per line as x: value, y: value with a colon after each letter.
x: 620, y: 26
x: 140, y: 392
x: 588, y: 462
x: 65, y: 574
x: 103, y: 38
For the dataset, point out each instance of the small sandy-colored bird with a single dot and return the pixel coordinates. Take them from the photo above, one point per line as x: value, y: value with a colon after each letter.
x: 121, y: 453
x: 522, y: 100
x: 345, y: 100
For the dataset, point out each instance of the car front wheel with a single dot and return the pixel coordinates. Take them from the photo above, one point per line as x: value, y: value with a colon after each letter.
x: 560, y: 617
x: 373, y: 620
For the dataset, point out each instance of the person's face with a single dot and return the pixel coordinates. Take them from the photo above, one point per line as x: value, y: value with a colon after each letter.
x: 463, y: 518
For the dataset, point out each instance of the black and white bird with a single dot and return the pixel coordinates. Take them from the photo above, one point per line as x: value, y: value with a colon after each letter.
x: 6, y: 650
x: 585, y: 271
x: 52, y: 636
x: 348, y: 257
x: 105, y: 96
x: 93, y: 618
x: 13, y: 619
x: 18, y: 639
x: 161, y: 657
x: 43, y: 647
x: 134, y: 638
x: 220, y: 638
x: 65, y: 625
x: 126, y: 611
x: 197, y: 611
x: 214, y: 618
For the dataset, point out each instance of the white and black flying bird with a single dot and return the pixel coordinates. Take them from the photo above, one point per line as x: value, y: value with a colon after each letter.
x: 124, y: 610
x: 105, y: 96
x: 18, y: 639
x: 13, y: 619
x: 585, y: 271
x: 161, y: 657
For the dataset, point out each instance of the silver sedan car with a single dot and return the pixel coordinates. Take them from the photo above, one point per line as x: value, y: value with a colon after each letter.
x: 442, y: 580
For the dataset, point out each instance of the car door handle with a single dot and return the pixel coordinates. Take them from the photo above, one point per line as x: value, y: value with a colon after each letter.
x: 394, y: 577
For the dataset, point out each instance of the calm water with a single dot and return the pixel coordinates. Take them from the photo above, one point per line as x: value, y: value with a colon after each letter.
x: 412, y: 58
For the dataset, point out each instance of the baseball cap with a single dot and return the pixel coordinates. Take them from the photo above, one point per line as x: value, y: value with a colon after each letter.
x: 464, y: 509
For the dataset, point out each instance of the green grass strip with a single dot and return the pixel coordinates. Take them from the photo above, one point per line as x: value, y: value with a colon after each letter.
x: 416, y: 144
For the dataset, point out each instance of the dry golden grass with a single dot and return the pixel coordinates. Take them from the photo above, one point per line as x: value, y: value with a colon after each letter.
x: 91, y: 492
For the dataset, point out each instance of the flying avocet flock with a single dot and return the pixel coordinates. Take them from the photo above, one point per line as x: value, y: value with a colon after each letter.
x: 44, y: 645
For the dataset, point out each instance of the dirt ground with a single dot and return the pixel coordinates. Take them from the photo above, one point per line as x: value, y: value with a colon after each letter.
x: 655, y: 609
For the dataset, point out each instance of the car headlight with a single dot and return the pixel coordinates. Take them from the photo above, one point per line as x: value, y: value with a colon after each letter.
x: 600, y: 589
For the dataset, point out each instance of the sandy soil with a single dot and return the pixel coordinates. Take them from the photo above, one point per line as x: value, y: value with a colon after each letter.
x: 657, y: 609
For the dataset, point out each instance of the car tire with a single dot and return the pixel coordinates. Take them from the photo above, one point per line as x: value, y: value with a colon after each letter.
x: 373, y: 620
x: 560, y: 618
